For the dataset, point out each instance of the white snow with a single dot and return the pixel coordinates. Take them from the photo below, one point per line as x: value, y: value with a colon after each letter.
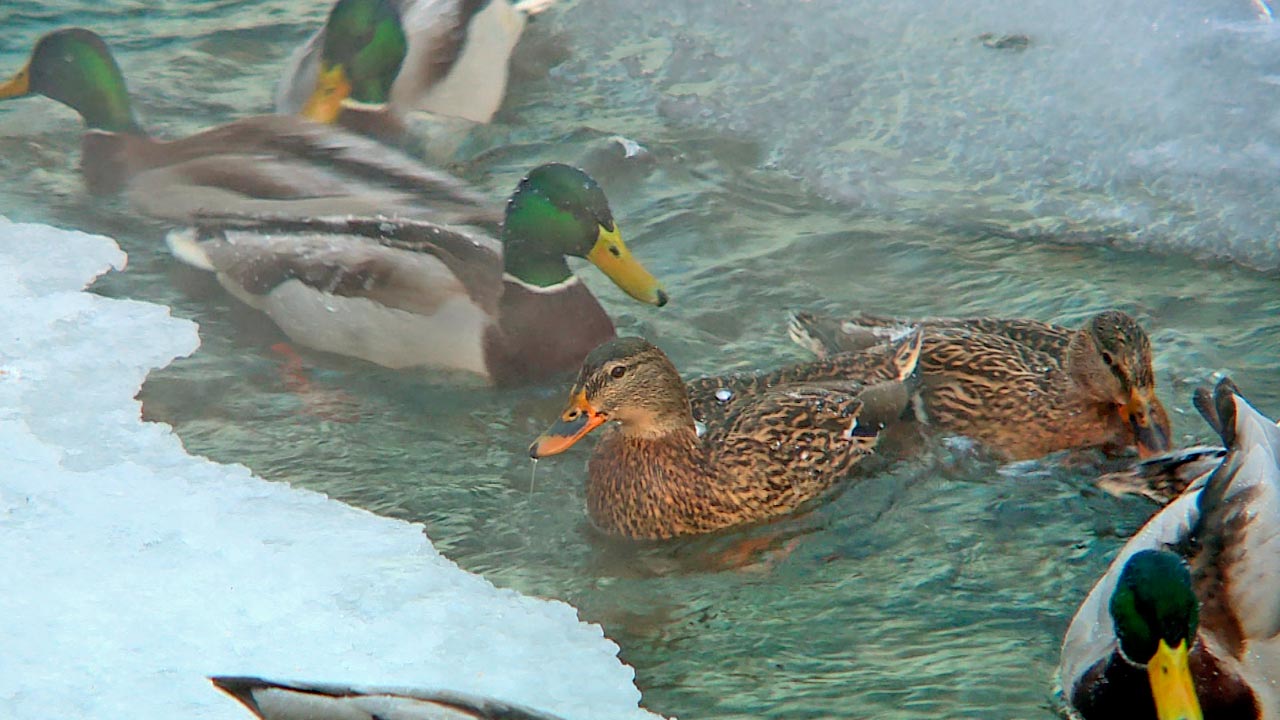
x: 130, y: 570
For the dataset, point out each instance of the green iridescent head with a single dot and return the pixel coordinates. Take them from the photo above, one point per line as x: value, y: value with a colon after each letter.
x: 1156, y: 614
x: 75, y: 67
x: 558, y: 211
x: 364, y: 47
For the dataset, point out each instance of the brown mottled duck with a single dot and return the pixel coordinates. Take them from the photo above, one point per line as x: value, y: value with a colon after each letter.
x: 762, y: 446
x: 1021, y: 387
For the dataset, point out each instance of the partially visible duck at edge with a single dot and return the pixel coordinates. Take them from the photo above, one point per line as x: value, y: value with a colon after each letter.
x: 455, y: 64
x: 1021, y: 387
x: 277, y: 164
x: 1185, y: 624
x: 278, y: 700
x: 766, y: 446
x: 404, y: 293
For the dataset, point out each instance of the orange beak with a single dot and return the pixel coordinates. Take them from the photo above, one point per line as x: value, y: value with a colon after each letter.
x: 1148, y: 420
x: 576, y: 420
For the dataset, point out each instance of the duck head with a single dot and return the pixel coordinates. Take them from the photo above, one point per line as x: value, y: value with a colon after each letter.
x: 558, y: 211
x: 626, y: 380
x: 364, y: 47
x: 75, y: 67
x: 1111, y: 360
x: 1156, y: 614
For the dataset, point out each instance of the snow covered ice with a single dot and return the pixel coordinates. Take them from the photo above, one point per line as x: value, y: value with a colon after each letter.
x: 132, y: 570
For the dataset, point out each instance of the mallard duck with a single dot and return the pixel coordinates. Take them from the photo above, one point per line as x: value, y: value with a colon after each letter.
x: 406, y: 293
x: 458, y: 52
x: 766, y: 447
x: 1023, y: 388
x: 1186, y: 621
x: 272, y: 700
x: 271, y: 164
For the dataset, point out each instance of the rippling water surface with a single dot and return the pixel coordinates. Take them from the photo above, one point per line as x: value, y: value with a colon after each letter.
x: 939, y: 586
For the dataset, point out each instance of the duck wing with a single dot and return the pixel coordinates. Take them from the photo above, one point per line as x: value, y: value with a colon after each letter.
x: 714, y: 398
x: 792, y: 443
x: 402, y: 264
x: 281, y: 165
x: 1235, y: 546
x: 1161, y: 478
x: 826, y: 335
x: 274, y: 700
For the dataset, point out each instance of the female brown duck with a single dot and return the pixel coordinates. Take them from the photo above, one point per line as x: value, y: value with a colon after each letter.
x: 1023, y: 388
x: 767, y: 444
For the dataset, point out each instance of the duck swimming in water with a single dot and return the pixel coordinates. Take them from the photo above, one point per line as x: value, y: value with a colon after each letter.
x: 407, y: 294
x: 1185, y: 624
x: 1021, y: 387
x: 767, y: 444
x: 456, y: 56
x: 273, y: 164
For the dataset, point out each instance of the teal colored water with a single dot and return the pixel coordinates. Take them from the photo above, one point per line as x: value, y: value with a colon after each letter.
x: 937, y: 586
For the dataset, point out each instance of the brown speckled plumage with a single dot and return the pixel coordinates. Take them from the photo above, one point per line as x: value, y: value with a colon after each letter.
x: 760, y: 446
x: 1023, y: 388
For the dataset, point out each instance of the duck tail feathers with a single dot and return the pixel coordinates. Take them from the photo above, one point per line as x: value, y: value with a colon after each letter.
x: 185, y: 245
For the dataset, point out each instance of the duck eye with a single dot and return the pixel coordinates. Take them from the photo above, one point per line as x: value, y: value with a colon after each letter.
x: 618, y: 371
x: 1107, y: 358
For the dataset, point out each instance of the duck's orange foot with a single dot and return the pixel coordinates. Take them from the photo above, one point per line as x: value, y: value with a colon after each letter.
x: 319, y: 402
x: 755, y: 554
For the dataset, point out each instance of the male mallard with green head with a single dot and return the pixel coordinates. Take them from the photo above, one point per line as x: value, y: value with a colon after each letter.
x: 764, y: 449
x: 273, y: 164
x: 456, y: 65
x: 1021, y: 387
x: 412, y: 294
x: 274, y: 700
x: 1185, y: 624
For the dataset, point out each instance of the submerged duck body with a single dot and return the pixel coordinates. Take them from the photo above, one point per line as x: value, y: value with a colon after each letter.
x: 1021, y: 387
x: 275, y: 700
x: 406, y: 294
x: 1186, y: 621
x: 278, y: 165
x: 765, y: 449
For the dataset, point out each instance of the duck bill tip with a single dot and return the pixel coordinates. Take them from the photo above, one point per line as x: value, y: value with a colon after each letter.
x: 1148, y: 422
x: 611, y: 255
x: 1171, y: 684
x: 331, y: 92
x: 17, y: 86
x: 575, y: 422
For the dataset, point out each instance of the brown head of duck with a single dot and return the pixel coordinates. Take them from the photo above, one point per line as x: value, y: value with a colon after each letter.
x: 1110, y: 360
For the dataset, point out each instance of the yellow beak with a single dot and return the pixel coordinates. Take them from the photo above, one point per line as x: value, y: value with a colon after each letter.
x: 18, y: 85
x: 1171, y: 684
x: 613, y: 258
x: 1148, y: 420
x: 576, y: 420
x: 325, y: 103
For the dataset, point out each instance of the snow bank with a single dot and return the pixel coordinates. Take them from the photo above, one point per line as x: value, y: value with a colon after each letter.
x: 132, y: 570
